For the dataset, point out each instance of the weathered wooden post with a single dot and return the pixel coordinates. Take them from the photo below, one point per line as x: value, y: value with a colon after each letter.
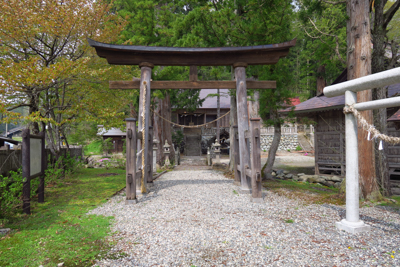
x: 26, y: 172
x: 131, y: 136
x: 149, y: 167
x: 43, y: 168
x: 144, y: 121
x: 235, y: 144
x: 256, y: 186
x: 243, y: 125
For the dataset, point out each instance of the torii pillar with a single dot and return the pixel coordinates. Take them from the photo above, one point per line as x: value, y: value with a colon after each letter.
x: 144, y: 111
x: 243, y: 125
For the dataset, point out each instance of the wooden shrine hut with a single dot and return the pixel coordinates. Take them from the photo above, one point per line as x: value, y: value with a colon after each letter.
x: 247, y: 172
x: 329, y: 136
x: 198, y: 139
x: 117, y: 138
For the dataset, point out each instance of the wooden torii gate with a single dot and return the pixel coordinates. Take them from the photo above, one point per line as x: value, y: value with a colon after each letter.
x: 247, y: 174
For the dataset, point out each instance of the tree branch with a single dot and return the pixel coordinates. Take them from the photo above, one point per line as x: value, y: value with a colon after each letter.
x: 387, y: 17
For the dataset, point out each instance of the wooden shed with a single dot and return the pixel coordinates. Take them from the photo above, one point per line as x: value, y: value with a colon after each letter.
x: 117, y: 136
x: 329, y: 136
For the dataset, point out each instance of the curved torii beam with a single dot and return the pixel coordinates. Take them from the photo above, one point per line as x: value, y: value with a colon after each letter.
x: 247, y: 175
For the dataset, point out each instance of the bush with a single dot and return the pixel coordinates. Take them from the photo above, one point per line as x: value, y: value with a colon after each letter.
x: 107, y: 145
x: 11, y: 193
x: 298, y: 148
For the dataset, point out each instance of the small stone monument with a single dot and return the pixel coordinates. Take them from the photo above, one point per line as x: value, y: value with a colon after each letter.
x: 166, y: 153
x: 209, y: 159
x: 155, y: 148
x: 217, y: 151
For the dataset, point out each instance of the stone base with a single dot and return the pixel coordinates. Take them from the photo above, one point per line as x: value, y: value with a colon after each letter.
x: 353, y: 227
x: 130, y: 201
x: 236, y: 183
x: 244, y: 191
x: 257, y: 200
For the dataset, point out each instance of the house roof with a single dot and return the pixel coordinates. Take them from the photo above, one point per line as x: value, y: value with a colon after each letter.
x: 395, y: 116
x: 110, y: 132
x: 211, y: 102
x: 9, y: 140
x: 322, y: 102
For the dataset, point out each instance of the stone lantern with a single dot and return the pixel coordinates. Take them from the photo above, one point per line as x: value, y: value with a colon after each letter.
x: 166, y: 153
x: 217, y: 151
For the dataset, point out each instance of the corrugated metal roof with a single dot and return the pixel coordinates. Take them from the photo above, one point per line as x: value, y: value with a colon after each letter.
x: 110, y: 132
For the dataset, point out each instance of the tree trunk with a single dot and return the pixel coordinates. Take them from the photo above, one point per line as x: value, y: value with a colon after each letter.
x: 162, y: 128
x: 359, y: 65
x: 321, y: 82
x: 267, y: 168
x: 380, y: 115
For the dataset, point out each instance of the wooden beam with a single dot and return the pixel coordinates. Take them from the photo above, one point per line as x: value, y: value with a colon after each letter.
x: 192, y: 84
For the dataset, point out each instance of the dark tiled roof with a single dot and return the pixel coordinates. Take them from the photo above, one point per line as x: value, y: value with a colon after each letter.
x: 324, y: 103
x: 395, y: 116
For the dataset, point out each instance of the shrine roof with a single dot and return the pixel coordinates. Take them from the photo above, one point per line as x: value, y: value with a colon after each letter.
x: 395, y: 116
x: 186, y: 56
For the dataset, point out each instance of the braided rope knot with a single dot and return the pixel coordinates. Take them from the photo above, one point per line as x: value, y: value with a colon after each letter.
x: 349, y: 109
x: 376, y: 134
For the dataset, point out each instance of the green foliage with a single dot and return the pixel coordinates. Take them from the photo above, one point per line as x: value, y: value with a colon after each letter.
x: 94, y: 148
x: 289, y: 221
x: 298, y: 148
x: 60, y: 230
x: 10, y: 194
x: 107, y: 145
x: 82, y: 132
x: 177, y: 139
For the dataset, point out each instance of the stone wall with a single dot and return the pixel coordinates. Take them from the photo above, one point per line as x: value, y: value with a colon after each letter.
x: 11, y: 160
x: 288, y: 141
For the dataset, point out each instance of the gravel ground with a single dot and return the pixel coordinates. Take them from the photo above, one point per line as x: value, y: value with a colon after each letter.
x: 196, y: 218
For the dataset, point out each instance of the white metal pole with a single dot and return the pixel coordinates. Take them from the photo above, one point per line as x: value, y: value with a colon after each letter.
x: 352, y: 190
x: 352, y: 222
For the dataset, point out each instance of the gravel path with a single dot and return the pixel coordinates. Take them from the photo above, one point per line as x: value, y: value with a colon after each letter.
x: 196, y: 218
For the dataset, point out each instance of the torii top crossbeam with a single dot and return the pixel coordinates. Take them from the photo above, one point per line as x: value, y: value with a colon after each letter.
x: 179, y: 56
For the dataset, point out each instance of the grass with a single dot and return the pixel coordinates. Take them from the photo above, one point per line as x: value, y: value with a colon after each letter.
x: 59, y: 230
x: 387, y: 202
x: 94, y: 148
x: 310, y: 193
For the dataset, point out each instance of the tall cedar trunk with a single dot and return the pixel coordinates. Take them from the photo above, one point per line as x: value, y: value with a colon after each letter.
x: 321, y: 82
x: 380, y: 115
x: 162, y: 128
x: 267, y: 168
x: 359, y: 65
